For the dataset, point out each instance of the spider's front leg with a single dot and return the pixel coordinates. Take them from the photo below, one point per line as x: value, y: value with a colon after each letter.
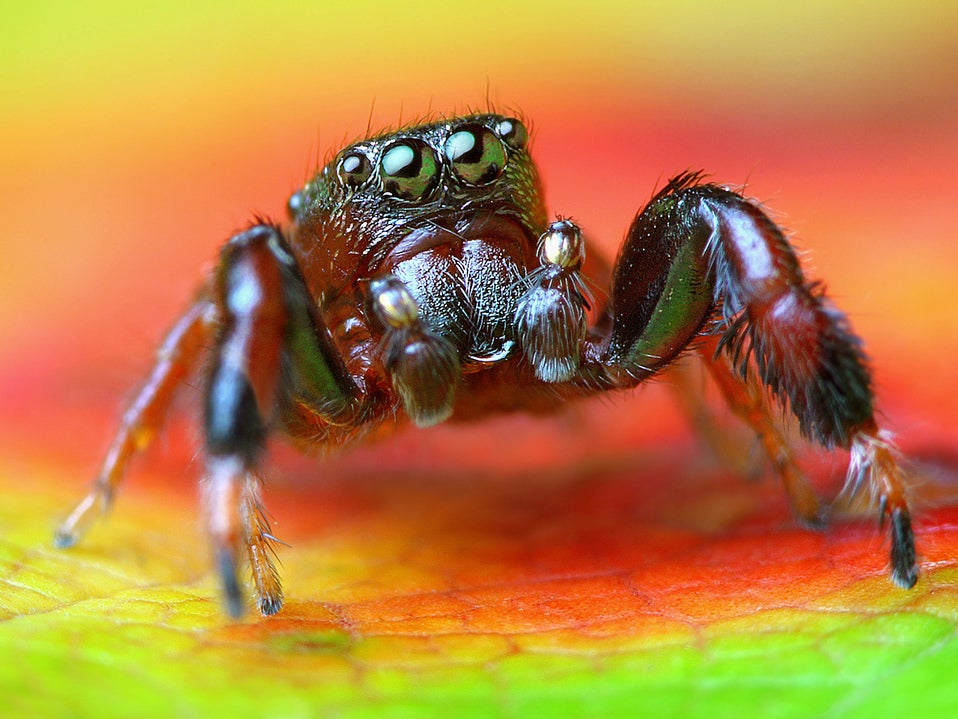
x: 270, y: 343
x: 703, y: 266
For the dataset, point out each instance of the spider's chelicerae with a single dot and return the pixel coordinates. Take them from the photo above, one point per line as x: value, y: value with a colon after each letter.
x: 420, y: 277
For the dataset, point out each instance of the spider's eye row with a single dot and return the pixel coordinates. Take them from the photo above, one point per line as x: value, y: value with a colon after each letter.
x: 353, y: 168
x: 408, y: 169
x: 477, y: 155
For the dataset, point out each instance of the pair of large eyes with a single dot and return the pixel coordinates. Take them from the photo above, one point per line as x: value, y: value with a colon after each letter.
x: 410, y: 170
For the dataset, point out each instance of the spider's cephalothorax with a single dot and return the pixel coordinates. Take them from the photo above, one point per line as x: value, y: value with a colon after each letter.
x: 420, y: 277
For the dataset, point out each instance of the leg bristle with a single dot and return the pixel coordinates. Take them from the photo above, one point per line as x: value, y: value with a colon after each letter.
x: 260, y: 550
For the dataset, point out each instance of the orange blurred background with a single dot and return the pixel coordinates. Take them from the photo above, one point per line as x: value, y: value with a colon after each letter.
x: 135, y: 140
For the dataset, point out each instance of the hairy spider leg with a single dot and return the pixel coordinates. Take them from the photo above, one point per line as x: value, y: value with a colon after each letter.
x: 806, y: 354
x: 270, y: 345
x: 726, y: 257
x: 686, y: 382
x: 746, y: 398
x: 176, y: 359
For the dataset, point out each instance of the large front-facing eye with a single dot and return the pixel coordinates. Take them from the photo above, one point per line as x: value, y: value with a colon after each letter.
x: 353, y: 168
x: 477, y: 155
x: 408, y: 169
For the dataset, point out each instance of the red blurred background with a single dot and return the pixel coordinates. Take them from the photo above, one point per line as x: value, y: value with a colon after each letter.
x: 135, y: 141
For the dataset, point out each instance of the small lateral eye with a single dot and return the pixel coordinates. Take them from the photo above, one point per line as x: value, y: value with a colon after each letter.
x: 295, y: 203
x: 513, y: 133
x: 408, y: 169
x: 353, y: 169
x: 477, y: 155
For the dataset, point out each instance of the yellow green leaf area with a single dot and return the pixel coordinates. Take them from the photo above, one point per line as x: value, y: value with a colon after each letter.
x: 586, y: 593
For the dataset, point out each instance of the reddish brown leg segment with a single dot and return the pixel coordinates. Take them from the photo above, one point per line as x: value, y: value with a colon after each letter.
x: 259, y: 548
x: 175, y: 360
x: 746, y: 398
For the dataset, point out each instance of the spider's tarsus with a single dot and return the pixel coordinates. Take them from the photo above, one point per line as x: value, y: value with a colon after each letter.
x: 268, y: 606
x: 904, y: 567
x: 93, y: 506
x: 817, y: 522
x: 232, y: 592
x: 64, y: 540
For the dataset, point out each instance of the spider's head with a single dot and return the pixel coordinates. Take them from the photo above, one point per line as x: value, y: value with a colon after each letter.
x: 448, y: 174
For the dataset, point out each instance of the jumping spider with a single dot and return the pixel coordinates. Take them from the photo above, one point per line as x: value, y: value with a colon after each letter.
x: 420, y: 277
